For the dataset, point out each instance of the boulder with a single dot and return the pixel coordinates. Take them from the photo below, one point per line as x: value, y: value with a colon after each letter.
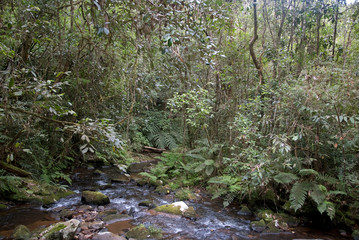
x: 91, y: 197
x: 21, y: 232
x: 61, y: 230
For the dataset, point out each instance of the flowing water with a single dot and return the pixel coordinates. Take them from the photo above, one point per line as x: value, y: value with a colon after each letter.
x: 213, y: 222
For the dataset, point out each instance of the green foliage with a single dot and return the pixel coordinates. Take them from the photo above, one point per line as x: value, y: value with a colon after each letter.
x: 285, y: 178
x: 9, y: 184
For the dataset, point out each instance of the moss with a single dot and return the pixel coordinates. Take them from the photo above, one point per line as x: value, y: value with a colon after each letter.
x: 2, y: 206
x: 140, y: 232
x: 245, y: 211
x: 21, y: 232
x: 106, y: 213
x: 53, y: 232
x: 290, y: 220
x: 190, y: 213
x: 272, y: 228
x: 163, y: 190
x: 258, y: 226
x: 94, y: 198
x: 266, y: 215
x: 169, y: 209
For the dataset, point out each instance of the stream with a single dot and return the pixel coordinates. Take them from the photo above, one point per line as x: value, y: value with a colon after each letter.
x: 212, y: 222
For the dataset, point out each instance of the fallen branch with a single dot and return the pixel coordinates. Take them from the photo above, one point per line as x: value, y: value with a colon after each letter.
x: 152, y: 149
x: 15, y: 170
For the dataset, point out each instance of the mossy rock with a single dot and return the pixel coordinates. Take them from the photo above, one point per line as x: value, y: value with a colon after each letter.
x: 66, y: 213
x: 355, y: 234
x: 266, y: 215
x: 91, y: 197
x: 163, y: 190
x: 244, y: 211
x: 98, y: 172
x: 258, y: 226
x: 106, y: 213
x: 120, y: 179
x: 21, y: 232
x: 290, y: 220
x: 140, y: 232
x: 169, y: 208
x: 3, y: 206
x: 148, y: 204
x: 272, y: 228
x: 61, y: 230
x: 190, y: 213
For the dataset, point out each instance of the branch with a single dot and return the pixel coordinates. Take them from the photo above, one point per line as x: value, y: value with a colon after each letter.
x: 37, y: 115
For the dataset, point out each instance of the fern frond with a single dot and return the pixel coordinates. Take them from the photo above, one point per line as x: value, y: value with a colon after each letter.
x: 318, y: 194
x: 306, y: 172
x: 285, y: 178
x: 298, y: 193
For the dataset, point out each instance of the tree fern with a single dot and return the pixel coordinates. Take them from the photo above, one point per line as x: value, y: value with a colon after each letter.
x: 285, y: 178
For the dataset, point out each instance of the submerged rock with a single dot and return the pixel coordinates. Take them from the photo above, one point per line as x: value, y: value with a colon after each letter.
x: 107, y: 236
x: 91, y: 197
x: 61, y: 230
x: 66, y: 213
x: 148, y: 204
x: 21, y: 232
x: 115, y: 218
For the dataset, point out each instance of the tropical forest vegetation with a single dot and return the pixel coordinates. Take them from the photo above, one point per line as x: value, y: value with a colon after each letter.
x: 255, y: 101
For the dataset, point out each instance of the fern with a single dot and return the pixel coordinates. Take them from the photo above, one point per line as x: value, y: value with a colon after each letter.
x: 306, y: 172
x: 285, y: 178
x: 318, y: 194
x: 9, y: 184
x: 298, y: 193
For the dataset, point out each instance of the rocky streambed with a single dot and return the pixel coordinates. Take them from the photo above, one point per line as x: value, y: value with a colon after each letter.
x: 108, y: 204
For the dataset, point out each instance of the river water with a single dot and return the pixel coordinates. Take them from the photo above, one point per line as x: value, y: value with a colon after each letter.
x: 213, y: 222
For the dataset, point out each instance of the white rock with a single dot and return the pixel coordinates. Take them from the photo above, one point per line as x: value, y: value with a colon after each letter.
x: 183, y: 206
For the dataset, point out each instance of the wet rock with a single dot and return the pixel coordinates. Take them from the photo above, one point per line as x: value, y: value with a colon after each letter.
x: 106, y: 213
x: 61, y: 230
x: 115, y: 218
x: 21, y: 232
x: 98, y: 172
x: 84, y: 208
x: 107, y: 236
x: 244, y: 211
x: 289, y: 220
x: 91, y: 197
x: 105, y: 186
x: 92, y: 225
x: 66, y: 213
x: 258, y: 226
x: 148, y: 204
x: 120, y: 179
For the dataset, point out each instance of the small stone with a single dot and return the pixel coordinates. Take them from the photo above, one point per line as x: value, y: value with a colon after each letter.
x: 107, y: 236
x: 115, y: 218
x: 148, y: 204
x: 66, y: 213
